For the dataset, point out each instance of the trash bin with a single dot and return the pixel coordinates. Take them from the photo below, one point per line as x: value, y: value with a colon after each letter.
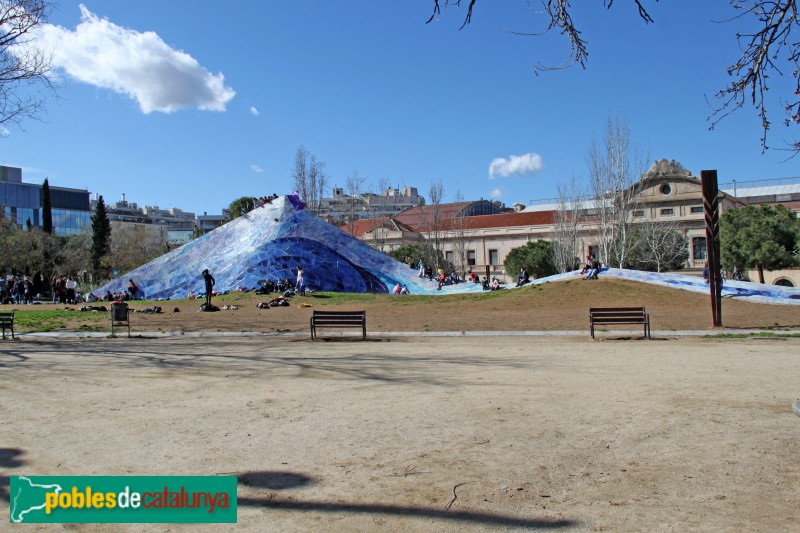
x: 119, y: 317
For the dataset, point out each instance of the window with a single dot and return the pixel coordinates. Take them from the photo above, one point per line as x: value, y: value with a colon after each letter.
x: 448, y: 256
x: 471, y: 257
x: 667, y: 211
x: 699, y: 249
x: 697, y: 209
x: 493, y: 257
x: 639, y: 213
x: 595, y: 251
x: 665, y: 189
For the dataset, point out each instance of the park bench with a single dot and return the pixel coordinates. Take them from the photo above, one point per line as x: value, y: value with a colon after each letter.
x: 7, y: 322
x: 619, y: 315
x: 120, y: 317
x: 338, y: 319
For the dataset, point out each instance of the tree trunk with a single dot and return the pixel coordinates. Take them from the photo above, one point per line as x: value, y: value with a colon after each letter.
x: 760, y: 273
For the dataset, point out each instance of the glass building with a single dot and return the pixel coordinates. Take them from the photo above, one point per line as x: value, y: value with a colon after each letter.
x: 22, y: 202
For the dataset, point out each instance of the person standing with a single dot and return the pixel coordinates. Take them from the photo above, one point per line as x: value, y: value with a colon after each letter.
x: 132, y: 289
x: 70, y: 286
x: 210, y: 282
x: 300, y: 286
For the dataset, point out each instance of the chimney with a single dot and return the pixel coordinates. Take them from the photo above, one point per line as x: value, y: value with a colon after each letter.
x: 123, y: 197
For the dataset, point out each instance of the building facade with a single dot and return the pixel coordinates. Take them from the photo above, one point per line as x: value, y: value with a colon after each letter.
x: 173, y: 226
x: 342, y: 208
x: 22, y: 202
x: 667, y: 194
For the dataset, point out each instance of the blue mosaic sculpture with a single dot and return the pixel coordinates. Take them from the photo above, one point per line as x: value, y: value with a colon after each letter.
x: 270, y: 242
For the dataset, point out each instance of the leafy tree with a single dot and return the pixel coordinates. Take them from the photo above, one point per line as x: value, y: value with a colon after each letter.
x: 22, y: 64
x: 47, y: 210
x: 536, y: 257
x: 759, y: 237
x: 241, y: 206
x: 767, y: 45
x: 416, y: 252
x: 101, y: 240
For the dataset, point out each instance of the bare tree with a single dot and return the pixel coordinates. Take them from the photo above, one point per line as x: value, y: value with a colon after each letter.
x: 354, y: 187
x: 133, y: 245
x: 309, y: 178
x: 768, y: 49
x: 458, y: 236
x: 435, y: 195
x: 614, y: 167
x: 317, y: 183
x: 23, y: 65
x: 300, y: 173
x: 568, y: 218
x: 658, y: 245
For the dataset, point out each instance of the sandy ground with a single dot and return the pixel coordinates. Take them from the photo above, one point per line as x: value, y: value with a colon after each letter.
x: 426, y: 433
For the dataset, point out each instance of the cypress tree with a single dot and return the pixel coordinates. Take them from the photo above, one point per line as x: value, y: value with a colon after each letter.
x: 101, y: 236
x: 47, y: 210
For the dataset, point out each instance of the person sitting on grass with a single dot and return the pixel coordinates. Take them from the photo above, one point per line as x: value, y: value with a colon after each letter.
x: 523, y: 277
x: 495, y: 284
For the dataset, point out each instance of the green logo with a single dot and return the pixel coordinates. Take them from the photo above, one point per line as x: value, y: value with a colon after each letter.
x: 122, y: 499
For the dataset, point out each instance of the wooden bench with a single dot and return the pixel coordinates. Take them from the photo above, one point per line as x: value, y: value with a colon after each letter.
x: 7, y: 322
x: 338, y: 319
x: 120, y: 317
x: 619, y: 315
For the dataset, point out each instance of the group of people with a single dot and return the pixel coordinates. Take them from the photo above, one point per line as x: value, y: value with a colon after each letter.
x: 18, y: 290
x: 400, y: 288
x: 282, y: 285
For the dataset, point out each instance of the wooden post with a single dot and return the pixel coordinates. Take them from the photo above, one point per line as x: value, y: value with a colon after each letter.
x: 708, y: 179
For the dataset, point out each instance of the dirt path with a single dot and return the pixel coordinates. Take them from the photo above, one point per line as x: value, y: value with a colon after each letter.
x: 424, y: 434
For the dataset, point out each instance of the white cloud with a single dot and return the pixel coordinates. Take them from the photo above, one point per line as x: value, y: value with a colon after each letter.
x: 519, y: 165
x: 497, y: 193
x: 254, y: 111
x: 139, y: 65
x: 257, y: 169
x: 4, y: 131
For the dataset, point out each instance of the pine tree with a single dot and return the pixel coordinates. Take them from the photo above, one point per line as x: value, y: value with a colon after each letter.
x: 101, y: 237
x: 47, y: 210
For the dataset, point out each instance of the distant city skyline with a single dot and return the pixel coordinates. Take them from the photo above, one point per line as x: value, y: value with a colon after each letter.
x: 194, y: 112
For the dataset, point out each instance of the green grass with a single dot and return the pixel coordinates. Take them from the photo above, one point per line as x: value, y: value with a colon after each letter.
x: 51, y: 320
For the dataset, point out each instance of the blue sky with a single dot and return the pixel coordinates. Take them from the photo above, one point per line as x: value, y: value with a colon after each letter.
x: 194, y: 104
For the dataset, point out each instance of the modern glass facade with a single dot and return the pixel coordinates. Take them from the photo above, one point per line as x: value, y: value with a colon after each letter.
x: 23, y: 203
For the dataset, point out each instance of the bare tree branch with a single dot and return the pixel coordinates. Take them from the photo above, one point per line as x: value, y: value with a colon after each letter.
x: 24, y: 67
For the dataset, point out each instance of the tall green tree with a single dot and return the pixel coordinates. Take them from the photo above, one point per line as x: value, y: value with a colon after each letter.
x: 535, y: 257
x: 101, y: 239
x: 47, y: 209
x: 761, y: 237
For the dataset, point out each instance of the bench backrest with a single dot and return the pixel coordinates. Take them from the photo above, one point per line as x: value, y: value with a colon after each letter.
x: 339, y: 315
x: 617, y: 313
x: 6, y: 317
